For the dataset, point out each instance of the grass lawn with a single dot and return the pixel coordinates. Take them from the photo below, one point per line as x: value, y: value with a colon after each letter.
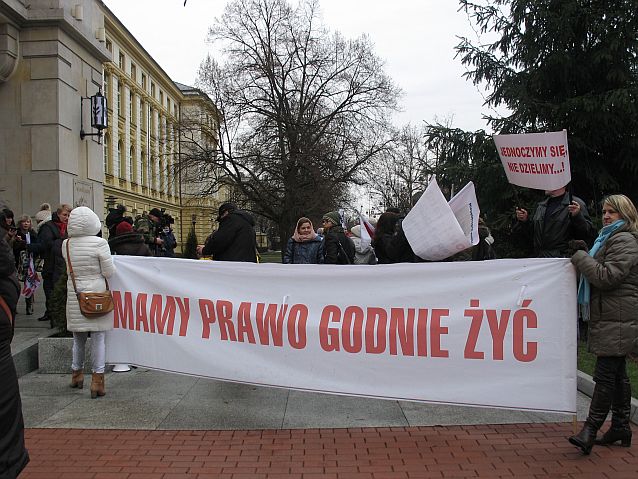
x: 587, y: 362
x: 270, y: 257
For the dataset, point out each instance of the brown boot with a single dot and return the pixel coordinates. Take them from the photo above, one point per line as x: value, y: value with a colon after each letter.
x: 77, y: 379
x: 97, y: 385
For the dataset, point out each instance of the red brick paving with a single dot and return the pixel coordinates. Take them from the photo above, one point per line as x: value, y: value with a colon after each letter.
x: 524, y: 451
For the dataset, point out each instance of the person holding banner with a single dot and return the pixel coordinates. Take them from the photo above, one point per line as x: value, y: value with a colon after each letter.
x: 390, y: 244
x: 608, y: 296
x: 304, y: 246
x: 557, y: 220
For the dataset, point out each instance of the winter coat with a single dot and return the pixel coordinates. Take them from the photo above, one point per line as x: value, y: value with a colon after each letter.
x: 613, y: 276
x: 306, y: 252
x: 92, y: 262
x: 363, y: 251
x: 393, y: 248
x: 49, y: 247
x: 339, y: 249
x: 129, y: 244
x: 235, y: 239
x: 19, y: 246
x: 549, y: 236
x: 13, y: 455
x: 167, y: 250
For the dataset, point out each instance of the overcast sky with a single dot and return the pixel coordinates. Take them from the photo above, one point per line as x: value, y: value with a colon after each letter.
x: 416, y: 38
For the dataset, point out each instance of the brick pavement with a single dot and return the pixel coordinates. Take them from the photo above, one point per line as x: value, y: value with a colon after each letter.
x: 491, y: 451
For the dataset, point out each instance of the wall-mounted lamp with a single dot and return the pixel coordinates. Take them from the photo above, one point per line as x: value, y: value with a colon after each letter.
x: 99, y: 115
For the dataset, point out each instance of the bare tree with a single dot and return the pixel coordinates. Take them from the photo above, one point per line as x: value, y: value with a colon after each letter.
x: 400, y: 173
x: 302, y: 109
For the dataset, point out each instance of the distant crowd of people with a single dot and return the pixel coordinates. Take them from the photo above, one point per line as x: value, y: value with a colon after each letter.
x: 71, y: 237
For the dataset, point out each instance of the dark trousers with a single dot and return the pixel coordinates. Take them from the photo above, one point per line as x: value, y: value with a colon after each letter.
x: 47, y: 285
x: 610, y: 371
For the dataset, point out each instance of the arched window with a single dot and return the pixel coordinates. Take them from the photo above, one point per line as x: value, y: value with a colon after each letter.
x: 144, y: 169
x: 154, y: 173
x: 108, y: 163
x: 120, y: 160
x: 131, y: 165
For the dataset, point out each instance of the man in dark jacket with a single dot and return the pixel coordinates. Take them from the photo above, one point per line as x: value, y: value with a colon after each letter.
x: 49, y: 246
x: 235, y: 240
x: 557, y: 220
x: 338, y: 247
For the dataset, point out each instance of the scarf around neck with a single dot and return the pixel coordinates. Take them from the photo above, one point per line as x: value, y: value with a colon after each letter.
x: 298, y: 238
x: 584, y: 288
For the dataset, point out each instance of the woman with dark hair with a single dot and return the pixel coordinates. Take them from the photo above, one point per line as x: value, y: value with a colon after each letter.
x: 13, y: 455
x: 608, y: 296
x: 25, y: 236
x: 304, y: 246
x: 390, y: 244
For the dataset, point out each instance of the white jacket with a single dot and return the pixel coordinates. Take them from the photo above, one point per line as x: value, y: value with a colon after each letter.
x: 92, y: 262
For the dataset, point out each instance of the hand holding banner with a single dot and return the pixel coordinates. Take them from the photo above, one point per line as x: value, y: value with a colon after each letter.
x: 535, y: 160
x: 437, y: 229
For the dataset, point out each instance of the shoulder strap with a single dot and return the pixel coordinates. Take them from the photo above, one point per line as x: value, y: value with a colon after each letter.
x: 68, y: 258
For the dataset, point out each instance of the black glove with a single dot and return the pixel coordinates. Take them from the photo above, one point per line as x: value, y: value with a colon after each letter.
x: 576, y: 245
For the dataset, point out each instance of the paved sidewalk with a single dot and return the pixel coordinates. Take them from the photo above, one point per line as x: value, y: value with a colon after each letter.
x: 503, y: 451
x: 165, y: 426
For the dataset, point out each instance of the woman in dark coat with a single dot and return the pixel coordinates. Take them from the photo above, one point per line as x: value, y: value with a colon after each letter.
x: 608, y: 295
x: 339, y: 249
x: 49, y: 247
x: 305, y: 246
x: 13, y: 455
x: 390, y: 244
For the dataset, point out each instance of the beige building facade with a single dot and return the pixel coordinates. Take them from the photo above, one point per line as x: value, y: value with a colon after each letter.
x: 52, y: 53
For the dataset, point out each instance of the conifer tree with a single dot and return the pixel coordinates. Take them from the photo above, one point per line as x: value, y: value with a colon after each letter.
x: 564, y: 64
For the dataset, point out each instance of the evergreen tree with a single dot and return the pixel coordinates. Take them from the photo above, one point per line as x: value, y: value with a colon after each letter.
x: 564, y: 64
x: 190, y: 248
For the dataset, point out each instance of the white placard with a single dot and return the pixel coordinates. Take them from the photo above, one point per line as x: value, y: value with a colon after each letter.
x: 535, y: 160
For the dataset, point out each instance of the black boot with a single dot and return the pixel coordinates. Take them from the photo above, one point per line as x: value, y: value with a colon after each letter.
x: 598, y: 409
x: 29, y: 302
x: 620, y: 429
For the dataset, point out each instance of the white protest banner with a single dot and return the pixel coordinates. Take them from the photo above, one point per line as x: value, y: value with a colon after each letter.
x: 535, y: 160
x: 437, y: 229
x: 500, y: 333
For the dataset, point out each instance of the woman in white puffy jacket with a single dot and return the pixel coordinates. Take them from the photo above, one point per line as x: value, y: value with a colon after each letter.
x: 92, y: 263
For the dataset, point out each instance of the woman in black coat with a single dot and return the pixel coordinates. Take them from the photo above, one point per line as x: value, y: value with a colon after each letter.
x: 13, y: 454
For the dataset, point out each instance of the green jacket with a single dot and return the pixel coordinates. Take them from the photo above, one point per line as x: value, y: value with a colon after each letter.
x: 148, y: 229
x: 613, y: 275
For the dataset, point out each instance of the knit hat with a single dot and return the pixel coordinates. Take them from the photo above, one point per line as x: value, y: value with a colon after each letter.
x: 333, y: 217
x: 122, y: 228
x: 156, y: 212
x: 44, y: 214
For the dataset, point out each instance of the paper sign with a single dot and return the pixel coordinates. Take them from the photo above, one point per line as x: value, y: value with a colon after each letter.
x: 437, y: 229
x: 535, y: 160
